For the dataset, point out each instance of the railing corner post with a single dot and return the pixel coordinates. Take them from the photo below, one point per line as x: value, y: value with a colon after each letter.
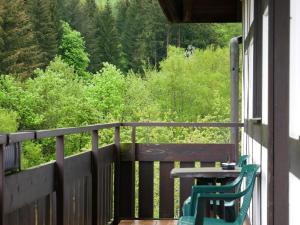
x: 60, y: 199
x: 95, y: 174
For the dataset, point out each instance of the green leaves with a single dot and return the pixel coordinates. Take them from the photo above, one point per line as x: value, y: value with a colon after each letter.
x: 72, y: 49
x: 184, y: 89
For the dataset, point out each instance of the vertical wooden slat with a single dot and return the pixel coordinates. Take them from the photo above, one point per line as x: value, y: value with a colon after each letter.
x: 41, y: 214
x: 82, y: 200
x: 101, y: 193
x: 48, y: 219
x: 109, y: 192
x: 106, y: 193
x: 67, y: 208
x: 166, y: 191
x: 2, y: 184
x: 127, y: 182
x: 185, y: 184
x: 88, y: 201
x: 77, y: 201
x: 117, y: 177
x: 12, y: 218
x: 132, y: 185
x: 95, y: 176
x: 106, y: 196
x: 27, y: 214
x: 54, y: 209
x: 60, y: 180
x: 145, y: 190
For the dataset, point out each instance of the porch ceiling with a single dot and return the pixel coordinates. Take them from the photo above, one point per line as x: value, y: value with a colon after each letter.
x: 202, y: 11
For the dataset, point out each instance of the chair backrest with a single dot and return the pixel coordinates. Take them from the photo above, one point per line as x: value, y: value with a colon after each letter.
x: 250, y: 175
x: 242, y: 161
x: 197, y: 189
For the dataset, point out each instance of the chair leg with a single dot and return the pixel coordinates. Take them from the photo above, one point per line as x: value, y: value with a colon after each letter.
x: 247, y: 221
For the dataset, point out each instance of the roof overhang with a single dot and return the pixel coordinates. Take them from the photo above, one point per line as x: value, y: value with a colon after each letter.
x: 202, y: 11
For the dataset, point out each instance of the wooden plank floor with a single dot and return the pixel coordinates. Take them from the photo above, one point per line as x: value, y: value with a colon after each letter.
x: 148, y: 222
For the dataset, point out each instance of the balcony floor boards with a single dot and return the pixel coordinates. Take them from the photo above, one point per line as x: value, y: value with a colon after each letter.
x: 148, y: 222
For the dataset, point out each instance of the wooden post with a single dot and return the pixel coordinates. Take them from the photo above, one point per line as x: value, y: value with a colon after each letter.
x: 2, y: 176
x: 117, y: 177
x: 60, y: 180
x: 95, y: 183
x: 133, y: 139
x: 234, y: 69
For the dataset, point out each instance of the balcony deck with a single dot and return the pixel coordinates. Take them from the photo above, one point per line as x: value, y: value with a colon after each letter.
x: 98, y: 187
x: 148, y: 222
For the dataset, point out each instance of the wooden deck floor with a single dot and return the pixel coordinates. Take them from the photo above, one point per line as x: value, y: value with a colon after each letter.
x: 148, y: 222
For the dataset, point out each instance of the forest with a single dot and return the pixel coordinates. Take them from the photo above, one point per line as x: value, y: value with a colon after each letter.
x: 66, y: 63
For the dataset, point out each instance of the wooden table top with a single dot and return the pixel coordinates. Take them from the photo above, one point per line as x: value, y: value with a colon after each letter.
x: 204, y: 172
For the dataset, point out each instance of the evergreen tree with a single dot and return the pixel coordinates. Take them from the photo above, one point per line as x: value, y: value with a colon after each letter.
x: 45, y: 27
x: 21, y: 53
x: 1, y: 30
x: 74, y: 15
x: 89, y: 32
x: 107, y: 39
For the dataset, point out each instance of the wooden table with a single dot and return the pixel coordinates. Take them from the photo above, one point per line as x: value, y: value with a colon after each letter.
x: 205, y: 172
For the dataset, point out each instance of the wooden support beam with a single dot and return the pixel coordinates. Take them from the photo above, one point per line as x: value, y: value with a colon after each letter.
x: 60, y: 198
x: 95, y: 183
x: 2, y: 191
x: 117, y: 177
x: 187, y: 10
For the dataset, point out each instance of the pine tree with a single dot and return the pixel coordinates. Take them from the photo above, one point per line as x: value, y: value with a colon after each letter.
x: 1, y: 30
x: 108, y: 43
x: 21, y: 53
x: 45, y: 27
x: 89, y: 32
x: 74, y: 15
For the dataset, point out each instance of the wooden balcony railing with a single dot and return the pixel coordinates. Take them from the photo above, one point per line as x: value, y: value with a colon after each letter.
x: 98, y: 186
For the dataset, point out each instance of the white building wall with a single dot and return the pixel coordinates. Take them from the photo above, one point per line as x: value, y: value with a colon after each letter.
x: 294, y: 181
x: 258, y: 153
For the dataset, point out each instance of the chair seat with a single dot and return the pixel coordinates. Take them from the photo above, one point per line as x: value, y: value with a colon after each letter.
x: 190, y: 220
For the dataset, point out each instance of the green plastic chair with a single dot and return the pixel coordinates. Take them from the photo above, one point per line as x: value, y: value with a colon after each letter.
x: 206, y: 193
x: 230, y: 187
x: 242, y: 161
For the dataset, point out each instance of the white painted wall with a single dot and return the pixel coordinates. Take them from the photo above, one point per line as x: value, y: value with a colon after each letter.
x: 258, y: 153
x: 294, y: 181
x: 265, y: 72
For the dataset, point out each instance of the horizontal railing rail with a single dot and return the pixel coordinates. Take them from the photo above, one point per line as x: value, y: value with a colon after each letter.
x: 98, y: 186
x: 180, y: 124
x: 40, y: 134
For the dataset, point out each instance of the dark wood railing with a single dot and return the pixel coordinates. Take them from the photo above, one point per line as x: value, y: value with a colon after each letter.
x: 98, y: 187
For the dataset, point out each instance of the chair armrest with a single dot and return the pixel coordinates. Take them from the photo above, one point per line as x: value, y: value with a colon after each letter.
x: 222, y: 196
x: 210, y: 188
x: 186, y: 208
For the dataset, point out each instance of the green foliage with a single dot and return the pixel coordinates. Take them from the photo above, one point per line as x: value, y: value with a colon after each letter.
x: 107, y: 40
x: 8, y: 121
x: 21, y: 52
x: 45, y: 27
x: 31, y: 155
x: 184, y: 85
x: 107, y: 90
x: 137, y: 76
x: 2, y: 34
x: 72, y: 49
x: 57, y: 98
x: 184, y: 89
